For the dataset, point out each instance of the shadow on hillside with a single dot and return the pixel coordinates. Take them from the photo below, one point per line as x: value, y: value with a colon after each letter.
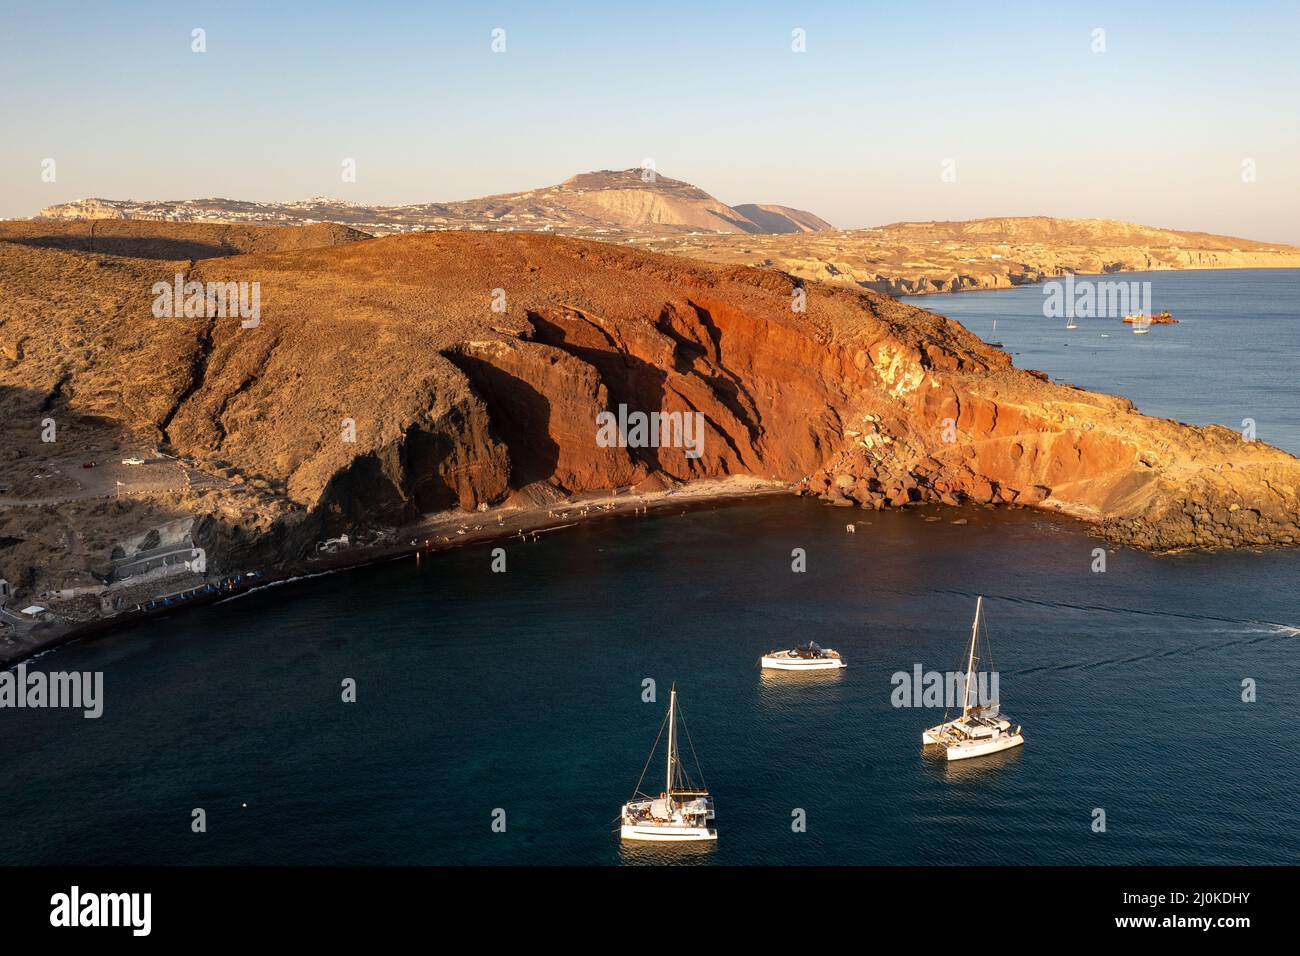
x: 520, y: 415
x: 133, y: 247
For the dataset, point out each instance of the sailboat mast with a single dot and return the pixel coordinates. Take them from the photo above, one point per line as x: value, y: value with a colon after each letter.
x: 970, y: 661
x: 672, y: 739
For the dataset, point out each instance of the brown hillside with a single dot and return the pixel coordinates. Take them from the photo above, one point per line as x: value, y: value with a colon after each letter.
x: 456, y: 406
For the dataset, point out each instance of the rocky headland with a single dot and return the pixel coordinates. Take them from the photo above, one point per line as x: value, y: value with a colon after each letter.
x: 920, y: 258
x: 454, y: 376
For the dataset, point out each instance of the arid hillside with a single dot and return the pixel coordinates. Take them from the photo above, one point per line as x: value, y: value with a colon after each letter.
x: 913, y: 258
x: 390, y: 378
x: 132, y: 240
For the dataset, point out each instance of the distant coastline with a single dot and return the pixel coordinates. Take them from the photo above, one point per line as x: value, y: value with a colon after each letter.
x: 1099, y: 276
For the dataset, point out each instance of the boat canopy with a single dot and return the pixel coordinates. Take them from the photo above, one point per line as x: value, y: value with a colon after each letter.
x: 810, y: 650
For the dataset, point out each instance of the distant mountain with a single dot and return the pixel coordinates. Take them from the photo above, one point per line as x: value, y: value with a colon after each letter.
x: 593, y: 204
x: 782, y: 219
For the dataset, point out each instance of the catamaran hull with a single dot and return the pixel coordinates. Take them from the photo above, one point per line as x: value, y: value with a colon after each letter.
x: 982, y: 748
x: 667, y: 834
x: 794, y: 664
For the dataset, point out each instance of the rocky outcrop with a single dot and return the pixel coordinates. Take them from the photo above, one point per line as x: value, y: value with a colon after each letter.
x: 391, y: 378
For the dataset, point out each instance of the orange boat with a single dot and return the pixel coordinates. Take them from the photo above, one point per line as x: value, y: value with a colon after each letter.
x: 1157, y: 318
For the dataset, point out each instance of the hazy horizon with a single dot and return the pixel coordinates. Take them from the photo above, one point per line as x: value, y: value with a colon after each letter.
x: 1185, y: 120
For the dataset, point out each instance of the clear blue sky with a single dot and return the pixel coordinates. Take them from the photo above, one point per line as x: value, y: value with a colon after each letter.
x: 1153, y: 130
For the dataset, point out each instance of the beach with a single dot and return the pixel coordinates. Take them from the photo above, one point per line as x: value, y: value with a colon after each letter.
x: 434, y: 533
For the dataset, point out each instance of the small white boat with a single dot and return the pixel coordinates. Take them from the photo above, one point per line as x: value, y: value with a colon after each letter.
x: 1141, y: 323
x: 980, y: 730
x: 1070, y: 324
x: 810, y: 657
x: 683, y: 812
x: 994, y: 341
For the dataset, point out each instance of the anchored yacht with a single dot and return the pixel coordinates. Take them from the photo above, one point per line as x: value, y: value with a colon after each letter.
x: 981, y: 729
x: 682, y: 812
x: 809, y: 657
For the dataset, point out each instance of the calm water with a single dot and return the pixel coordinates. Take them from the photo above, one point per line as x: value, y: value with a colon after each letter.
x: 1231, y: 357
x: 522, y: 691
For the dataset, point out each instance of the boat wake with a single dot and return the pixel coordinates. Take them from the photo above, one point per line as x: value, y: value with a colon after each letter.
x: 1241, y: 631
x: 1272, y: 627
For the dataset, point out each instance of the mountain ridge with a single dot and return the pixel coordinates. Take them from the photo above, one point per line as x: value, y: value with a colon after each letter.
x: 596, y: 203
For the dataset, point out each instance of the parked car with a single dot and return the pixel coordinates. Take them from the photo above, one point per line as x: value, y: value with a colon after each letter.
x: 133, y: 461
x: 87, y: 464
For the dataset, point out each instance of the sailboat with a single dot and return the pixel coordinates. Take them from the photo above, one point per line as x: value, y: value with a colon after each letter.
x: 993, y: 341
x: 1070, y: 324
x: 981, y: 729
x: 683, y: 812
x: 1141, y: 323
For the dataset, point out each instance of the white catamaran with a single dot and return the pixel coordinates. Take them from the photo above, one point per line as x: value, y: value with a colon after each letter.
x: 682, y: 812
x: 981, y: 729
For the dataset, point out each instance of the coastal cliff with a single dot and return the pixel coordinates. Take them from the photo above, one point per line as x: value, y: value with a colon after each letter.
x: 920, y: 258
x: 388, y: 379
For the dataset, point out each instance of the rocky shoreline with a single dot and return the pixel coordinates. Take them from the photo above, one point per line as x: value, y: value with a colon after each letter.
x: 435, y: 533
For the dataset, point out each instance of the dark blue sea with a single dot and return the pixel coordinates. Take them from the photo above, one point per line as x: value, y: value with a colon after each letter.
x: 522, y: 692
x: 1232, y: 356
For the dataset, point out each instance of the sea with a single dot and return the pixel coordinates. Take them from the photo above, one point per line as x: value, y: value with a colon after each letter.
x: 436, y: 711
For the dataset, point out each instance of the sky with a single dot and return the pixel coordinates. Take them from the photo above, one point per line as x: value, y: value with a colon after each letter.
x: 1188, y: 119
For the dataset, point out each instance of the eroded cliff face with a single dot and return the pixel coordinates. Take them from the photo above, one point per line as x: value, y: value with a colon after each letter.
x: 391, y: 378
x: 868, y: 400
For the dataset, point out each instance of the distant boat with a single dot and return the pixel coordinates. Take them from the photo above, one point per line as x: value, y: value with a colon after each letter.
x: 995, y: 344
x: 680, y: 814
x: 981, y: 729
x: 1155, y: 318
x: 810, y: 657
x: 1070, y: 324
x: 1141, y: 323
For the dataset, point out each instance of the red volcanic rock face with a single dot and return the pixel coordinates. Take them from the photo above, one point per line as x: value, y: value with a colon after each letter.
x: 454, y: 404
